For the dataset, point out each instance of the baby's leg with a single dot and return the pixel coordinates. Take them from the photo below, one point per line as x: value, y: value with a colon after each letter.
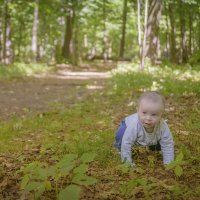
x: 119, y: 135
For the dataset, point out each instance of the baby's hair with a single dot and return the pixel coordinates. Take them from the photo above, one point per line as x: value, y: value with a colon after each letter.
x: 153, y: 96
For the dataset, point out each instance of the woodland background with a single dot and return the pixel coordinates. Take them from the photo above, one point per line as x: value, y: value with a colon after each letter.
x: 74, y: 31
x: 70, y: 71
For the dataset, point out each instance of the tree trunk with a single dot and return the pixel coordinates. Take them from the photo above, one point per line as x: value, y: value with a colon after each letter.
x: 190, y: 33
x: 199, y: 32
x: 167, y: 50
x: 34, y: 32
x: 67, y: 46
x: 7, y: 44
x: 122, y: 44
x: 105, y: 39
x: 76, y: 57
x: 1, y: 35
x: 172, y: 34
x: 143, y: 54
x: 153, y: 30
x: 184, y: 56
x: 19, y: 41
x: 110, y: 50
x: 139, y: 27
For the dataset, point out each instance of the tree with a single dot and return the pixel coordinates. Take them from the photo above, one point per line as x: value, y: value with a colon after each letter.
x: 139, y: 26
x: 183, y: 52
x: 144, y: 47
x: 172, y: 32
x: 122, y: 43
x: 34, y: 32
x: 67, y: 46
x: 7, y: 43
x: 153, y: 48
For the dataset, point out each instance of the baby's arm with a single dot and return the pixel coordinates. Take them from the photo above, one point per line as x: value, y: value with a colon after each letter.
x: 167, y: 144
x: 128, y: 140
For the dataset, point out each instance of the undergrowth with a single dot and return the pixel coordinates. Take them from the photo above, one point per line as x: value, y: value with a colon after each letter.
x: 90, y: 126
x: 19, y: 70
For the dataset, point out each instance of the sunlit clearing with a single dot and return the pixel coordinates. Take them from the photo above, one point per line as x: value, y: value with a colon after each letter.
x: 155, y: 86
x: 93, y: 87
x: 132, y: 103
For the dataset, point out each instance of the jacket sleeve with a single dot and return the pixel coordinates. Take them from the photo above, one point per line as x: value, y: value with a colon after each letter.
x: 129, y: 138
x: 167, y: 144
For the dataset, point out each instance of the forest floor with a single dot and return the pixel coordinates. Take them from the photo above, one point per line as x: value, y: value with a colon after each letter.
x: 41, y: 92
x: 61, y: 120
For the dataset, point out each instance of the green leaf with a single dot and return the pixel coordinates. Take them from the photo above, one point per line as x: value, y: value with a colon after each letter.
x: 125, y: 167
x: 82, y: 179
x: 31, y: 166
x: 142, y: 181
x: 24, y: 182
x: 42, y: 174
x: 34, y: 186
x: 179, y: 157
x: 170, y: 165
x: 70, y: 157
x: 178, y: 170
x: 71, y: 192
x: 87, y: 157
x: 65, y: 170
x: 40, y: 191
x: 48, y: 186
x: 81, y: 169
x: 67, y: 160
x: 51, y: 171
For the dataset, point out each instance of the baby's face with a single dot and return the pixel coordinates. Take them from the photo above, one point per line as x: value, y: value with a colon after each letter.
x: 150, y: 113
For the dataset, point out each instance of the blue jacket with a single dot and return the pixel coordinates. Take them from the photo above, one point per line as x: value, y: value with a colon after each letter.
x: 135, y: 134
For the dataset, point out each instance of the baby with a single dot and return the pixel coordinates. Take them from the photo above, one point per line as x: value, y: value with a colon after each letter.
x: 147, y: 128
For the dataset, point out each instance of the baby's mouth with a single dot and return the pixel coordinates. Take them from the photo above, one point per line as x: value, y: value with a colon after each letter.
x: 147, y: 124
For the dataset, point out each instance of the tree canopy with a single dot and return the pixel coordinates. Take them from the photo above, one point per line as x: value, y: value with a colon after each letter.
x: 72, y: 30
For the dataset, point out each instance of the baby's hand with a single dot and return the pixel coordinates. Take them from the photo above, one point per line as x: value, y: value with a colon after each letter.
x: 133, y: 164
x: 128, y: 162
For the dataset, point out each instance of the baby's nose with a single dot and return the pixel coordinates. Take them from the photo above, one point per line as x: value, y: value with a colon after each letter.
x: 148, y: 118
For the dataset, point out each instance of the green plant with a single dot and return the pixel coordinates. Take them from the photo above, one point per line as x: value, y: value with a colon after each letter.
x: 176, y: 165
x: 139, y: 184
x: 181, y: 190
x: 39, y: 177
x: 124, y: 167
x: 18, y: 70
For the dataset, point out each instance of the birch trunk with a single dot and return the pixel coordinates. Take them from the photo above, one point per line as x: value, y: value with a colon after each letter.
x: 34, y: 32
x: 139, y: 27
x: 143, y: 54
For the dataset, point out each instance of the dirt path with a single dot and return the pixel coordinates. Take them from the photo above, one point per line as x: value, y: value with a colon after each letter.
x: 47, y: 91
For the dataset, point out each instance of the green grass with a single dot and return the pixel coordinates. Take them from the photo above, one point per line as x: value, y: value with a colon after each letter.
x: 89, y: 126
x: 19, y: 70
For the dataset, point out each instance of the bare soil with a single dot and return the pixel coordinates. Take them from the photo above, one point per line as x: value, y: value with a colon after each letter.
x: 43, y: 92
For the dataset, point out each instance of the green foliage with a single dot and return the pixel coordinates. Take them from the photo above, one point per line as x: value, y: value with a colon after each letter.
x: 70, y: 192
x: 195, y: 58
x: 19, y: 70
x: 176, y: 165
x: 124, y: 168
x: 60, y: 135
x: 87, y: 158
x: 36, y: 176
x: 181, y: 191
x: 179, y: 81
x: 130, y: 188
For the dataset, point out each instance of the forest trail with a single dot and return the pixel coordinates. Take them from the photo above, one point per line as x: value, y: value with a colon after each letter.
x: 43, y: 92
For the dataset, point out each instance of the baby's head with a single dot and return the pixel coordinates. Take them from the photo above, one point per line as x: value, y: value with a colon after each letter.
x: 150, y: 108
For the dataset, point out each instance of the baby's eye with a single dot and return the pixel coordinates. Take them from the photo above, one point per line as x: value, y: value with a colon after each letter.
x: 154, y: 114
x: 144, y: 113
